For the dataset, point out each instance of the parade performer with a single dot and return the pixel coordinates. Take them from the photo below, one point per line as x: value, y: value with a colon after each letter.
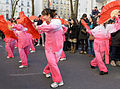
x: 101, y: 44
x: 53, y: 45
x: 102, y: 33
x: 23, y: 43
x: 9, y: 37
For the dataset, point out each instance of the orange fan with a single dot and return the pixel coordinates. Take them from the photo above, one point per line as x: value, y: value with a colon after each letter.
x: 109, y: 10
x: 4, y: 28
x: 33, y: 17
x: 85, y: 24
x: 21, y: 14
x: 25, y: 21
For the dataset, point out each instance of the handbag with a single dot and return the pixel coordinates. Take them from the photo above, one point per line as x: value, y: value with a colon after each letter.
x: 91, y: 37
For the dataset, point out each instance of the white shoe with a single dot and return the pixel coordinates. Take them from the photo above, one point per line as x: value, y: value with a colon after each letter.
x: 47, y: 75
x: 38, y: 45
x: 9, y: 57
x: 20, y: 61
x: 32, y: 51
x: 62, y: 59
x: 23, y: 66
x: 55, y: 85
x: 15, y: 47
x: 43, y: 45
x: 113, y: 63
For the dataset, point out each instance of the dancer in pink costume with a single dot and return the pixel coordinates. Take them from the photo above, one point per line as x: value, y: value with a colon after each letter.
x: 9, y: 45
x: 53, y: 46
x: 23, y: 44
x: 101, y: 44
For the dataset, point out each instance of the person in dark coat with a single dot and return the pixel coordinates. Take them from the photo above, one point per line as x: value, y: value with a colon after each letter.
x: 83, y: 36
x: 115, y: 47
x: 73, y: 35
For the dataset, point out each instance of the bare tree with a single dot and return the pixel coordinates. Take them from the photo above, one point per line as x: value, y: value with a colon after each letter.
x: 13, y: 4
x: 74, y: 12
x: 32, y: 7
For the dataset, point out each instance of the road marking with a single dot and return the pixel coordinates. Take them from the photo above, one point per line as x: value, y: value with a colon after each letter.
x: 28, y: 74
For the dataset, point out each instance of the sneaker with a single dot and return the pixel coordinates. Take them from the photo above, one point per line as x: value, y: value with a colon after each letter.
x: 43, y: 45
x: 32, y: 51
x: 38, y: 45
x: 23, y: 66
x: 118, y: 63
x: 62, y: 59
x: 85, y: 52
x: 81, y: 52
x: 9, y: 57
x: 103, y: 73
x: 55, y: 85
x: 47, y: 75
x: 92, y: 67
x: 113, y: 63
x: 15, y: 47
x: 20, y: 61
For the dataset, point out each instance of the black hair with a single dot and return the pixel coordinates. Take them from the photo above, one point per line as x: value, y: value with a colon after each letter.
x: 48, y: 11
x: 111, y: 21
x: 84, y: 15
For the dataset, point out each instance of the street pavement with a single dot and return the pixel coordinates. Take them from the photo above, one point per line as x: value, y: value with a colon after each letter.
x: 75, y: 71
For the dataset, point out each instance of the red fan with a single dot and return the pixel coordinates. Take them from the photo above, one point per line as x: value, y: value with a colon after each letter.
x: 4, y: 28
x: 21, y: 14
x: 85, y: 24
x: 108, y: 11
x: 25, y: 21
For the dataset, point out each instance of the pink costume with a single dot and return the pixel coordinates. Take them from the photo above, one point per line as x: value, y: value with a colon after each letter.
x: 101, y: 45
x: 23, y: 43
x: 53, y: 47
x: 64, y: 31
x: 9, y: 45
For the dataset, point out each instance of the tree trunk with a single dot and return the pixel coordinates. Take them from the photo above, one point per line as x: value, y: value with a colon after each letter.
x: 13, y: 4
x: 32, y: 7
x: 76, y: 8
x: 74, y: 12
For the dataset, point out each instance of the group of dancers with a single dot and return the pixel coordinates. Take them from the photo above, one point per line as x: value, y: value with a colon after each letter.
x: 54, y: 40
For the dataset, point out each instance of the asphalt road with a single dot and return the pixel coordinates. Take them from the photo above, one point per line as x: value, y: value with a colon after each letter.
x: 75, y: 71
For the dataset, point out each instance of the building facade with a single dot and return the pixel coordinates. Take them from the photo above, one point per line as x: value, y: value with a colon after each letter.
x: 38, y: 7
x: 62, y: 7
x: 23, y: 5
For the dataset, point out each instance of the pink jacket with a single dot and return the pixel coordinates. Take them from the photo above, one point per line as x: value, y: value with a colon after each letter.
x: 23, y: 39
x: 53, y: 32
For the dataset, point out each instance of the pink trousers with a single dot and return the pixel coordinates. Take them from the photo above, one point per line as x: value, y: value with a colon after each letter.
x: 63, y: 55
x: 10, y: 48
x: 24, y: 52
x: 32, y: 45
x: 99, y: 49
x: 52, y: 66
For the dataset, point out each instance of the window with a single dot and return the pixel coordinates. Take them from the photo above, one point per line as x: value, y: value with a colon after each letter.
x: 28, y: 4
x: 28, y: 10
x: 7, y: 1
x: 7, y: 16
x: 21, y: 9
x: 22, y: 3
